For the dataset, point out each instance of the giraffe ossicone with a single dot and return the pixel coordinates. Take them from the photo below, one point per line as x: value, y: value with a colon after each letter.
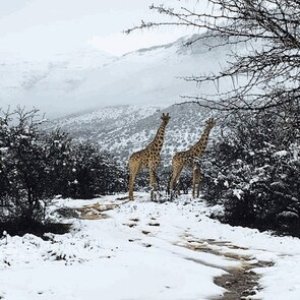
x: 148, y: 157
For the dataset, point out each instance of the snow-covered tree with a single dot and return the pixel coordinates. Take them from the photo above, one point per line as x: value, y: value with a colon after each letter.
x: 270, y: 29
x: 35, y: 166
x: 96, y: 173
x: 253, y: 172
x: 60, y: 162
x: 23, y: 163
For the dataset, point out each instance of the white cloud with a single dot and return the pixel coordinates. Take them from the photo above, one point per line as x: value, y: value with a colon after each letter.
x: 42, y: 28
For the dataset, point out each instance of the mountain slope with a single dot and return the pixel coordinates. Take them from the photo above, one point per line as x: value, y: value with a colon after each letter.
x: 45, y: 84
x: 72, y: 82
x: 123, y: 129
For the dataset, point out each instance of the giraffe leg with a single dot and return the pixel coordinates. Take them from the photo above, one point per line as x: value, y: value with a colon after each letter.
x: 194, y: 186
x: 153, y: 182
x: 177, y: 185
x: 134, y: 168
x: 195, y: 183
x: 171, y: 183
x: 175, y: 176
x: 199, y: 181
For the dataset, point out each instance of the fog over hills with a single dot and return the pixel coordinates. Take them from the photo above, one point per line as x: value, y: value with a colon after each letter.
x: 116, y: 102
x: 137, y: 88
x: 88, y: 79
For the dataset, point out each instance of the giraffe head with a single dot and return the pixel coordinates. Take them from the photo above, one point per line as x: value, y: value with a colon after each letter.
x: 211, y: 122
x: 165, y: 118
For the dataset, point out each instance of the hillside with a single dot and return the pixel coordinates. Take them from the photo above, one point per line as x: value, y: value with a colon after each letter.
x: 85, y: 79
x: 133, y: 90
x: 46, y: 84
x: 124, y: 129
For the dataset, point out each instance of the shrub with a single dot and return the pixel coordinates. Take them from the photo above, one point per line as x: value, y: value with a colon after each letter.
x: 35, y: 166
x: 253, y: 172
x: 96, y: 173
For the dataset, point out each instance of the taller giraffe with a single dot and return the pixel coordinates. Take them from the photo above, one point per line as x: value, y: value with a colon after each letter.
x: 188, y: 157
x: 149, y: 158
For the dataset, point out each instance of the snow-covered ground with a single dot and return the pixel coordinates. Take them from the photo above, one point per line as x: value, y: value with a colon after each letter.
x: 145, y: 250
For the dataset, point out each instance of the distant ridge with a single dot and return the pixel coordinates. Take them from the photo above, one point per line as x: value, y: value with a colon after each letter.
x: 70, y: 83
x: 121, y: 130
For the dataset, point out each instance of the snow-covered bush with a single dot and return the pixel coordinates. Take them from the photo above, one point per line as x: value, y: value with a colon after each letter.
x: 35, y: 166
x: 23, y: 163
x: 96, y: 173
x: 60, y: 163
x: 185, y: 181
x: 254, y: 171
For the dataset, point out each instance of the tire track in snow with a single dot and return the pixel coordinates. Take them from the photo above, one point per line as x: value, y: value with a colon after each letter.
x: 239, y: 282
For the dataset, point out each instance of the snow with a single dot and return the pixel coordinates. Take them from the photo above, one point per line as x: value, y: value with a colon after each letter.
x: 88, y: 79
x: 140, y: 252
x: 238, y: 193
x: 281, y: 153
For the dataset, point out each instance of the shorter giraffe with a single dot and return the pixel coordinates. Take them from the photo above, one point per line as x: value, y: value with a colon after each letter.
x: 187, y: 158
x: 149, y: 158
x: 197, y: 178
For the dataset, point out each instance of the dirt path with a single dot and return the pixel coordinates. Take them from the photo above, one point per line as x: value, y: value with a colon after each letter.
x: 94, y: 211
x: 240, y: 282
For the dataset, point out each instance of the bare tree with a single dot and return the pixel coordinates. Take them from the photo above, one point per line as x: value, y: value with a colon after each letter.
x: 271, y: 31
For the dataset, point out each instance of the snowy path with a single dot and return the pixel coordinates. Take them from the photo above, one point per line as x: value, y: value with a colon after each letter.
x: 145, y: 250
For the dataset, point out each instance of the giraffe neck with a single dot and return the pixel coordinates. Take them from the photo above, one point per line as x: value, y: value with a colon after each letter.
x: 158, y: 141
x: 198, y: 149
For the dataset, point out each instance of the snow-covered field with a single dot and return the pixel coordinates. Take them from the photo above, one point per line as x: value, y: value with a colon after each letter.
x: 145, y: 250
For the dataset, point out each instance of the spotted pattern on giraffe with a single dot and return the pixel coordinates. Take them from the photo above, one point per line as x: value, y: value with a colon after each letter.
x: 148, y: 158
x: 188, y: 157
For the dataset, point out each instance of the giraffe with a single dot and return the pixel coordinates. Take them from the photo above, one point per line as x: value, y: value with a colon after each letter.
x: 187, y: 158
x: 149, y: 158
x: 197, y: 178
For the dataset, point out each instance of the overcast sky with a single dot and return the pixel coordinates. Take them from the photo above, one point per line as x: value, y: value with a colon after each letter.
x: 40, y: 28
